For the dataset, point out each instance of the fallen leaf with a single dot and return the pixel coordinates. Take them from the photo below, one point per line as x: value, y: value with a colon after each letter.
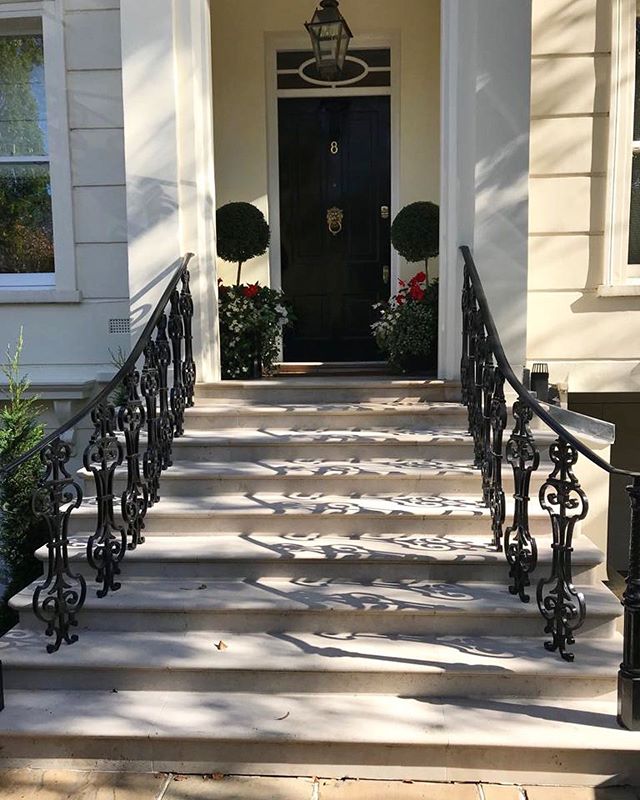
x: 222, y: 645
x: 202, y: 586
x: 285, y: 716
x: 218, y: 776
x: 114, y: 691
x: 179, y: 777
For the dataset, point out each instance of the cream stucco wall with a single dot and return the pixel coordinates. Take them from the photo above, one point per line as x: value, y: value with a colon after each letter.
x: 590, y: 342
x: 240, y: 102
x: 70, y: 340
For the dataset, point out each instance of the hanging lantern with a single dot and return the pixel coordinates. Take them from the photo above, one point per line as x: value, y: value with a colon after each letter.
x: 330, y: 37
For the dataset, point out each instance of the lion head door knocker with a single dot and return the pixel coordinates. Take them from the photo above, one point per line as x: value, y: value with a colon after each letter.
x: 334, y: 220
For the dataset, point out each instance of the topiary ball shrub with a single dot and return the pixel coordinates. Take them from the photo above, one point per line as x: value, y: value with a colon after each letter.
x: 415, y: 232
x: 242, y: 233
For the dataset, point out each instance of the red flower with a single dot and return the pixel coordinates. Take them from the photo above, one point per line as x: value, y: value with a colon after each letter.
x: 399, y: 299
x: 401, y: 282
x: 418, y: 278
x: 416, y: 292
x: 251, y: 290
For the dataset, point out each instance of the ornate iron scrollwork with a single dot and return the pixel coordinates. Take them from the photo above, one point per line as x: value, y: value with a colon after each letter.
x: 563, y: 498
x: 486, y: 463
x: 135, y: 498
x: 165, y: 417
x: 176, y: 334
x: 101, y: 457
x: 520, y: 547
x: 478, y: 350
x: 465, y: 363
x: 61, y: 595
x: 152, y: 460
x: 189, y: 365
x: 629, y: 672
x: 498, y: 416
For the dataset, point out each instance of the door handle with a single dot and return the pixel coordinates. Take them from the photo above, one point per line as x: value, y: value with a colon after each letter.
x: 334, y: 220
x: 386, y: 274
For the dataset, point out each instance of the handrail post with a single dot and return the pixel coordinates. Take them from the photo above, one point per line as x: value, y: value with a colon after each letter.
x: 629, y: 672
x: 61, y: 594
x: 520, y: 546
x: 102, y: 456
x: 498, y: 415
x: 189, y: 373
x: 559, y: 602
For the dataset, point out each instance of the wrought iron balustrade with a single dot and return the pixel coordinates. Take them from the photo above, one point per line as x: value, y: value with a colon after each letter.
x: 156, y: 393
x: 484, y: 370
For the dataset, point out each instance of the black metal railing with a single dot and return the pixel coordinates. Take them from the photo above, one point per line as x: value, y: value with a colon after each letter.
x: 484, y: 371
x: 116, y: 440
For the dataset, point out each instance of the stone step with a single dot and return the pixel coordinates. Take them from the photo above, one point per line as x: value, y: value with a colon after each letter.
x: 206, y: 415
x: 330, y: 389
x: 291, y: 513
x: 355, y: 558
x: 242, y: 444
x: 309, y: 475
x: 278, y: 604
x: 345, y: 663
x: 524, y: 741
x: 334, y: 368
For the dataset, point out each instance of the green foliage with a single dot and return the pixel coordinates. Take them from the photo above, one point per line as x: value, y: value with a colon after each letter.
x: 251, y: 322
x: 407, y: 331
x: 242, y: 233
x: 21, y: 534
x: 26, y: 229
x: 415, y: 231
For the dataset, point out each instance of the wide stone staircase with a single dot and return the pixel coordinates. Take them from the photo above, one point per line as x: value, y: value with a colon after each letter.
x: 317, y: 595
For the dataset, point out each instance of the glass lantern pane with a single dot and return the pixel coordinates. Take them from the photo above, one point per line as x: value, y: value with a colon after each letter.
x: 26, y: 227
x: 23, y: 116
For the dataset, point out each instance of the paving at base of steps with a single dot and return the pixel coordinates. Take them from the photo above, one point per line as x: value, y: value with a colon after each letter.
x: 28, y: 784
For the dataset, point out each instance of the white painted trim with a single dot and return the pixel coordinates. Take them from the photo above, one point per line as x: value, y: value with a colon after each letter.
x: 55, y: 75
x: 26, y: 279
x: 622, y: 91
x: 51, y: 12
x: 296, y: 41
x: 456, y: 210
x: 197, y: 184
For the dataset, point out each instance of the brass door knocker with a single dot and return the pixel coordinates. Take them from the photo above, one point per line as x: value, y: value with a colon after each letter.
x: 334, y: 220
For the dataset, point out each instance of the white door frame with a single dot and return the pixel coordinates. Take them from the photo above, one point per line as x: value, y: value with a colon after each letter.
x: 298, y: 41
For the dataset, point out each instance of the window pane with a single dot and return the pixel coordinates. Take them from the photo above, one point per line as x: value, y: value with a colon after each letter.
x: 23, y: 118
x: 26, y: 229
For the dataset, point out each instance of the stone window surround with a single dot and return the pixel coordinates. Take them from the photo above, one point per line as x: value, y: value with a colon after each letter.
x: 60, y: 286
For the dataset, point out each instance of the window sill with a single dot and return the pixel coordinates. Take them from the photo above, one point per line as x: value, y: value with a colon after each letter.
x: 621, y: 290
x: 15, y: 296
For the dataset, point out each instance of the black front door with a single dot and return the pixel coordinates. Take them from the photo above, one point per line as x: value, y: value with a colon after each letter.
x: 334, y: 217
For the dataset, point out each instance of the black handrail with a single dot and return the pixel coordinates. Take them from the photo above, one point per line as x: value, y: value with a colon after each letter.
x: 117, y: 379
x: 484, y: 369
x: 60, y: 595
x: 524, y: 394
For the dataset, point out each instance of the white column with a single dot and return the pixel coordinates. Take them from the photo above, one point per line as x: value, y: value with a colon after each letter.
x: 486, y: 75
x: 166, y: 79
x: 197, y: 185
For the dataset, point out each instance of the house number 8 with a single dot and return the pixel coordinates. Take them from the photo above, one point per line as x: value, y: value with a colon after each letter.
x: 334, y: 148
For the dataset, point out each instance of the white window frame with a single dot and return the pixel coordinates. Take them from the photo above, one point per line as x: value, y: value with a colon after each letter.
x: 63, y: 280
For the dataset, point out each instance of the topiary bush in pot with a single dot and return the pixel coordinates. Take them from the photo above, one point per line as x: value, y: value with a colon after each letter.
x: 415, y: 232
x: 251, y: 317
x: 242, y: 233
